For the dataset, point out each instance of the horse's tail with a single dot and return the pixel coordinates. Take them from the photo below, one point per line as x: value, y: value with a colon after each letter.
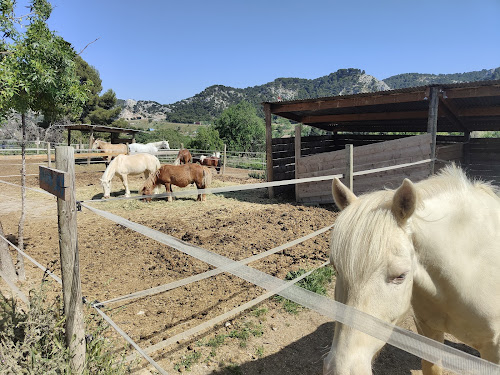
x: 207, y: 177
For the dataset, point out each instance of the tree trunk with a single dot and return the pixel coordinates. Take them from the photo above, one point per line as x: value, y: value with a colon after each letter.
x: 20, y: 238
x: 6, y: 263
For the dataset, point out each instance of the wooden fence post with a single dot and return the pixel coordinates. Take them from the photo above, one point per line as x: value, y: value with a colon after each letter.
x: 70, y: 263
x: 269, y: 148
x: 348, y: 180
x: 224, y: 160
x: 298, y: 155
x: 49, y: 161
x: 432, y: 121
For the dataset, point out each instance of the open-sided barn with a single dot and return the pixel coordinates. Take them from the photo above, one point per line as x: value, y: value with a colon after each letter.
x: 436, y: 123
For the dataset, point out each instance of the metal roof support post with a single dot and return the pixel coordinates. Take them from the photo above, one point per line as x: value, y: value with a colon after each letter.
x: 432, y: 120
x: 269, y: 149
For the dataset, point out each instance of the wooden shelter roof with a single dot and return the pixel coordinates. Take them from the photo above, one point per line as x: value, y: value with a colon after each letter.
x: 100, y: 128
x: 463, y: 107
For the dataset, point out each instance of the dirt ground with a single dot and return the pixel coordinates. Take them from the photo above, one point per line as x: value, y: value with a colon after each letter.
x: 116, y: 261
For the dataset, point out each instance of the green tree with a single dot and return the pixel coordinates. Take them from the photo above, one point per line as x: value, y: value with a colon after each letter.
x: 89, y: 77
x: 207, y: 138
x: 37, y: 73
x: 106, y: 111
x: 241, y: 129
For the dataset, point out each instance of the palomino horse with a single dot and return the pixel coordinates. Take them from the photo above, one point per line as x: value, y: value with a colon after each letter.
x: 150, y: 148
x: 183, y: 157
x: 124, y: 165
x: 179, y: 175
x: 119, y: 148
x: 433, y: 245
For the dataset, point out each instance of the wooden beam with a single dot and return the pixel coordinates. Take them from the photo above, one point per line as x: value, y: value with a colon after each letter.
x: 379, y: 116
x: 269, y: 148
x: 339, y: 102
x: 451, y: 113
x: 468, y: 92
x: 479, y: 112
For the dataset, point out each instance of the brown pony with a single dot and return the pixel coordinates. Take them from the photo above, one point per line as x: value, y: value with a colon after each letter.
x: 209, y: 161
x: 183, y: 157
x: 178, y: 175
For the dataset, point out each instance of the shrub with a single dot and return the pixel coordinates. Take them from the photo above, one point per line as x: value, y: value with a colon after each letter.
x: 33, y: 341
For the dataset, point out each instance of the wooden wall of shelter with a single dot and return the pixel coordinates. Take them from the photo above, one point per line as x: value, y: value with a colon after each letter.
x: 373, y: 156
x: 367, y: 119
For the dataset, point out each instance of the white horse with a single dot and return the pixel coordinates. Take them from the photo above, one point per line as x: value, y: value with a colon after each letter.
x: 124, y: 165
x: 434, y: 245
x: 150, y: 148
x: 160, y: 144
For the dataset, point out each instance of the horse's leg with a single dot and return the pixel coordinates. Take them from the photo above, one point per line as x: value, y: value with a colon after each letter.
x: 168, y: 188
x: 125, y: 183
x: 429, y: 368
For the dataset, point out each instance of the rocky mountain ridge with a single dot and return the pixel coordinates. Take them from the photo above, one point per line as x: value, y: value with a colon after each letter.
x: 212, y: 101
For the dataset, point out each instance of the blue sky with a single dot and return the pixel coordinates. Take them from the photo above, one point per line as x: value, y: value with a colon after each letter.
x: 171, y: 50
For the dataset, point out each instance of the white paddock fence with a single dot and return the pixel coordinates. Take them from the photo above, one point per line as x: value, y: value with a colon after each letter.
x: 423, y: 347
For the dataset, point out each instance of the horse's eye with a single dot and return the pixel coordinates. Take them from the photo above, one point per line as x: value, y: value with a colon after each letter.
x: 399, y: 279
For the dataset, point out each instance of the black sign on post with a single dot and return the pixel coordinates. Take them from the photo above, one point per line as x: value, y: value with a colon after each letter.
x: 54, y: 181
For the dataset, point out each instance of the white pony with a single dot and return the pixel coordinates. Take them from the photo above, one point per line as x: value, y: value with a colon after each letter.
x: 434, y: 245
x: 124, y: 165
x: 150, y: 148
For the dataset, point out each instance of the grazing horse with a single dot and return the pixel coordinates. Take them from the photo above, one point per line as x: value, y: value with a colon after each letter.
x: 124, y: 165
x: 183, y: 157
x: 209, y: 161
x: 434, y: 246
x: 119, y: 148
x: 179, y: 175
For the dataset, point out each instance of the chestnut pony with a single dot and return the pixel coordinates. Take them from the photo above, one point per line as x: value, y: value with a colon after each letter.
x: 434, y: 246
x: 178, y: 175
x: 183, y: 157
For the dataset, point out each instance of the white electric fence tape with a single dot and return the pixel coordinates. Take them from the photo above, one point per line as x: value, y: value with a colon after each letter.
x: 131, y: 342
x: 207, y: 274
x: 220, y: 318
x: 58, y: 279
x: 261, y: 185
x: 423, y: 347
x: 44, y: 269
x: 14, y: 288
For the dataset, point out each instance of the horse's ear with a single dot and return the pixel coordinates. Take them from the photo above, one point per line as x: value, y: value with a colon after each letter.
x: 342, y: 196
x: 404, y: 201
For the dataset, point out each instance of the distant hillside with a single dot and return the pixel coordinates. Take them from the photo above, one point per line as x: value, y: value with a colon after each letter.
x: 209, y: 104
x: 417, y: 79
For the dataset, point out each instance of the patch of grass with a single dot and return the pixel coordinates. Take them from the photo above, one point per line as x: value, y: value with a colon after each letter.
x: 259, y: 312
x: 244, y: 333
x: 316, y: 282
x: 188, y: 361
x: 259, y: 352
